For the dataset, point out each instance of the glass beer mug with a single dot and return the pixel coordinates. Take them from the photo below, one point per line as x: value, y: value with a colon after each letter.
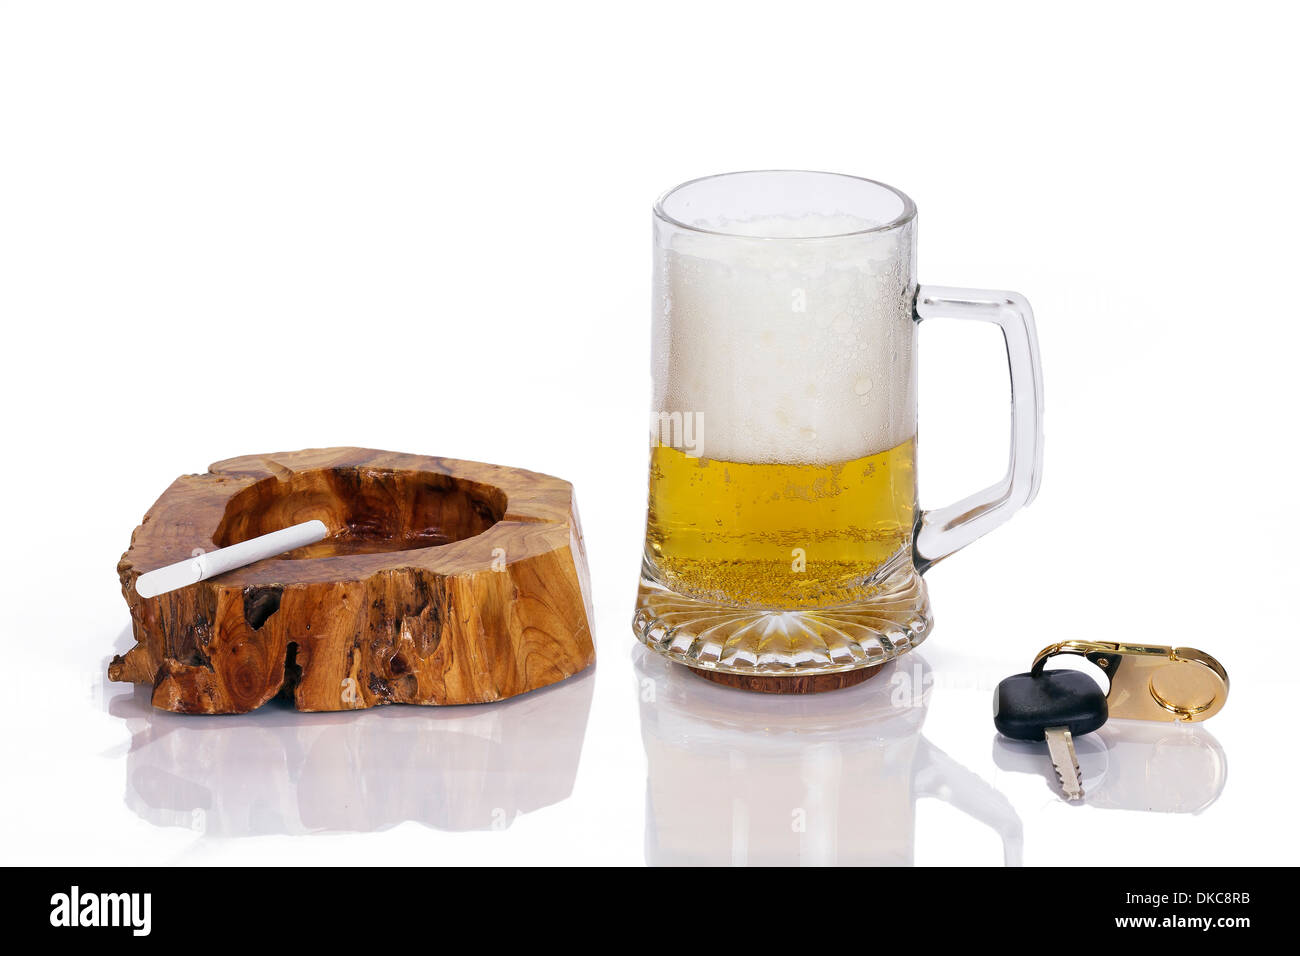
x: 783, y: 537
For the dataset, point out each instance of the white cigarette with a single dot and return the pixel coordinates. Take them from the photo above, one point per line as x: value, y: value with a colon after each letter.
x: 204, y: 566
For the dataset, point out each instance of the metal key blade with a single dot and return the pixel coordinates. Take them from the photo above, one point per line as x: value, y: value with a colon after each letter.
x: 1060, y: 745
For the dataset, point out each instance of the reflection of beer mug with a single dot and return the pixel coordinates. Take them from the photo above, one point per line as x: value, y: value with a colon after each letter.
x: 832, y: 780
x: 783, y: 537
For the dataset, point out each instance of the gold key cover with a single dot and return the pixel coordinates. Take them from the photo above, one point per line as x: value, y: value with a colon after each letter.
x: 1152, y: 682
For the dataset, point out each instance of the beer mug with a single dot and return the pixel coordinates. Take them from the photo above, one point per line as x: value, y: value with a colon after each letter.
x: 783, y: 537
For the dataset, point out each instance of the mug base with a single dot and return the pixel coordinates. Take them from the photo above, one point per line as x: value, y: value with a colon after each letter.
x: 814, y: 684
x: 753, y: 647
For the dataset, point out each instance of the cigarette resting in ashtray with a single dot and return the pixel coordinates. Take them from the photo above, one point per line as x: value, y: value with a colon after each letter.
x: 204, y: 566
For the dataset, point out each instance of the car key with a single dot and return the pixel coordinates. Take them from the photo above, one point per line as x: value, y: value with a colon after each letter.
x: 1055, y: 706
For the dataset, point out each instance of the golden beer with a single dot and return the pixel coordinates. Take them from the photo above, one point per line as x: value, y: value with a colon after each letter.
x: 777, y: 534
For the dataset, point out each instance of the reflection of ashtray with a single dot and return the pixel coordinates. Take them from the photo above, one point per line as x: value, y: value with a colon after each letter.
x: 276, y: 771
x: 440, y: 582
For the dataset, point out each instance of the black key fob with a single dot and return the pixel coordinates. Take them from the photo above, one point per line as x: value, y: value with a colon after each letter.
x: 1025, y: 706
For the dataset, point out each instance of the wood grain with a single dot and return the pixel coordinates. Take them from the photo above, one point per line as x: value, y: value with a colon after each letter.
x: 441, y: 582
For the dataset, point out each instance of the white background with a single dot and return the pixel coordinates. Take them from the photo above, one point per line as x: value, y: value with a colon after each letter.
x: 229, y: 228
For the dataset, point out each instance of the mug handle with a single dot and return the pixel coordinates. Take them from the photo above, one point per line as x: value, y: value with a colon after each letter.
x: 940, y: 532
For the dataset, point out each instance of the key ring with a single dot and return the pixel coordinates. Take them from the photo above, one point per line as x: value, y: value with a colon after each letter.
x: 1151, y: 682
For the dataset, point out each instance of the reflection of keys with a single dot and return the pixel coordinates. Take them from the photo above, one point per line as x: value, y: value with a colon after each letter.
x: 1054, y: 706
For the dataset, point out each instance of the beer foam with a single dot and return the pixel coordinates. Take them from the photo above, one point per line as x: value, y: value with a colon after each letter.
x: 794, y: 350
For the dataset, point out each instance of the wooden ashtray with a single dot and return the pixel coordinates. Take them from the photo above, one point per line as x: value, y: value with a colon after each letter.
x: 441, y: 582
